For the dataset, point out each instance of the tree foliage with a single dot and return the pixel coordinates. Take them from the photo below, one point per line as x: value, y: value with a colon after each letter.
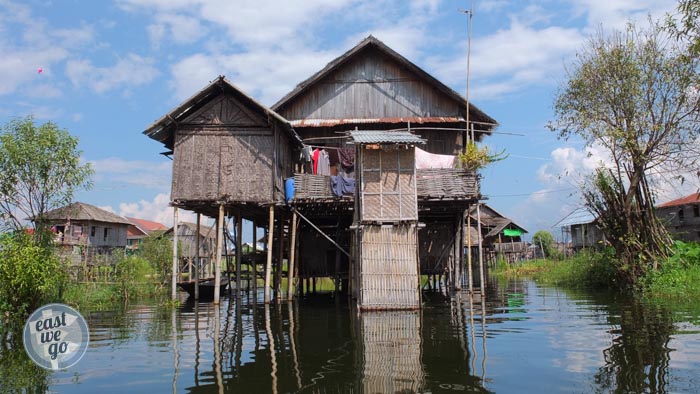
x: 635, y: 94
x: 40, y: 170
x: 158, y: 251
x: 475, y: 158
x: 30, y: 274
x: 544, y: 240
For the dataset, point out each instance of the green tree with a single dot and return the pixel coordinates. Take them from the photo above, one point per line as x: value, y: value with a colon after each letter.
x: 634, y: 94
x: 158, y: 251
x: 544, y: 241
x: 40, y: 170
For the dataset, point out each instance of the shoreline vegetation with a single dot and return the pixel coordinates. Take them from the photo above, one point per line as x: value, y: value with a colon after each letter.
x: 677, y: 277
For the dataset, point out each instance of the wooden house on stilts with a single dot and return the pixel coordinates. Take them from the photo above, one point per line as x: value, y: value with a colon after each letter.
x: 370, y: 117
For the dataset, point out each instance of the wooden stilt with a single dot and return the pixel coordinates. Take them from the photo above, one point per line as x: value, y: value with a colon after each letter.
x: 292, y: 257
x: 481, y: 253
x: 219, y: 242
x: 175, y: 262
x: 268, y: 264
x: 239, y: 252
x: 280, y: 257
x: 254, y: 259
x: 196, y: 259
x: 470, y: 278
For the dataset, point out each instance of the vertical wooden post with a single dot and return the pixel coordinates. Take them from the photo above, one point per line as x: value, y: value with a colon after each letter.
x: 219, y: 242
x: 175, y: 262
x: 196, y: 260
x: 280, y: 257
x: 268, y: 264
x: 254, y: 260
x: 460, y: 252
x: 481, y: 253
x: 239, y: 252
x: 292, y: 257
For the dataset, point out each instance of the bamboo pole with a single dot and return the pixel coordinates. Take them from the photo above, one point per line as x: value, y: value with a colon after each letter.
x: 280, y: 257
x: 254, y: 260
x: 219, y: 241
x: 175, y: 262
x: 239, y: 252
x: 481, y: 253
x: 292, y: 257
x: 217, y: 342
x: 268, y: 264
x: 196, y: 261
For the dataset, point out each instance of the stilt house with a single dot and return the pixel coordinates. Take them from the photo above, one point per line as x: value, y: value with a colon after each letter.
x: 235, y: 156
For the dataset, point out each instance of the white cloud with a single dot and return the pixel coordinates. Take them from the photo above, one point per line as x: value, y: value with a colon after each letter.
x: 181, y: 29
x: 115, y: 172
x: 511, y: 60
x: 128, y: 72
x: 157, y: 210
x: 616, y: 14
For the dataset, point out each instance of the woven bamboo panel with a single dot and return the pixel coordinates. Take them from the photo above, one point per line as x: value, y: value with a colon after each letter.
x: 310, y: 186
x: 388, y: 179
x: 446, y: 183
x: 389, y: 267
x: 391, y: 352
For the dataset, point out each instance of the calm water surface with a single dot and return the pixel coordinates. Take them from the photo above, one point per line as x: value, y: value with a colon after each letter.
x: 523, y: 339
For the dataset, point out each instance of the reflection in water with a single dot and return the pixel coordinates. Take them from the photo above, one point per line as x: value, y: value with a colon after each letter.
x: 638, y: 359
x: 390, y: 352
x: 523, y: 338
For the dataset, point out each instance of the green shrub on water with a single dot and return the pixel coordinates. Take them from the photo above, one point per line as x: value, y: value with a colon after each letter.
x: 132, y: 273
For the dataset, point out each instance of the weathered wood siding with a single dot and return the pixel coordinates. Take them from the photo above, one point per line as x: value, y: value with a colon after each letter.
x: 371, y: 85
x: 226, y: 152
x: 388, y: 189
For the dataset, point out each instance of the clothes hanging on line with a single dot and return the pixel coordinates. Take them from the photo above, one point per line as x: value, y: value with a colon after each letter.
x: 342, y: 186
x: 323, y: 166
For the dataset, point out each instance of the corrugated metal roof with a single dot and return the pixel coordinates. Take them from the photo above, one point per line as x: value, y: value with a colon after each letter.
x: 362, y: 137
x: 576, y: 217
x: 337, y: 122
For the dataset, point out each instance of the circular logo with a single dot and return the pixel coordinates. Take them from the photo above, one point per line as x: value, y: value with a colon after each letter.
x: 56, y: 336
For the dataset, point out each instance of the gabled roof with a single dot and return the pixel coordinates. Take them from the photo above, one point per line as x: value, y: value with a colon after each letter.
x: 373, y: 42
x: 689, y: 199
x: 496, y: 221
x: 576, y: 217
x: 143, y: 226
x: 163, y: 129
x: 84, y: 212
x: 207, y: 232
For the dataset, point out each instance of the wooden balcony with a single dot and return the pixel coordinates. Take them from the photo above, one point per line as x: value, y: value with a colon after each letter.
x: 431, y: 185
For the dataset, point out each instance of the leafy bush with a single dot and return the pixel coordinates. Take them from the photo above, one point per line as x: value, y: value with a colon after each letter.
x: 131, y: 272
x: 30, y: 274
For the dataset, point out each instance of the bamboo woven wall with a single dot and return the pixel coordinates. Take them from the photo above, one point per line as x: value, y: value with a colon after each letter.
x: 391, y: 352
x: 227, y: 152
x: 388, y: 185
x: 312, y: 186
x: 447, y: 183
x: 388, y: 267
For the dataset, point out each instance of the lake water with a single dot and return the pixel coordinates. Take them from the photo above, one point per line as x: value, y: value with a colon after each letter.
x: 524, y: 339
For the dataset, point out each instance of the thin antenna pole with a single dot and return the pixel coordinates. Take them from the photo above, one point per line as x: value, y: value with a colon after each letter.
x: 469, y: 12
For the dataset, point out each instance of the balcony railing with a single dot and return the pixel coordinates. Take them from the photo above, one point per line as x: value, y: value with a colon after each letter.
x: 437, y: 183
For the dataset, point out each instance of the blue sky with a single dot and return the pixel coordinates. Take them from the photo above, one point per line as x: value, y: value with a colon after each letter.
x: 110, y: 68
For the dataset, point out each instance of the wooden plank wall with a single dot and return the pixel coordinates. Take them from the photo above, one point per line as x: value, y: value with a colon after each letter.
x: 371, y: 85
